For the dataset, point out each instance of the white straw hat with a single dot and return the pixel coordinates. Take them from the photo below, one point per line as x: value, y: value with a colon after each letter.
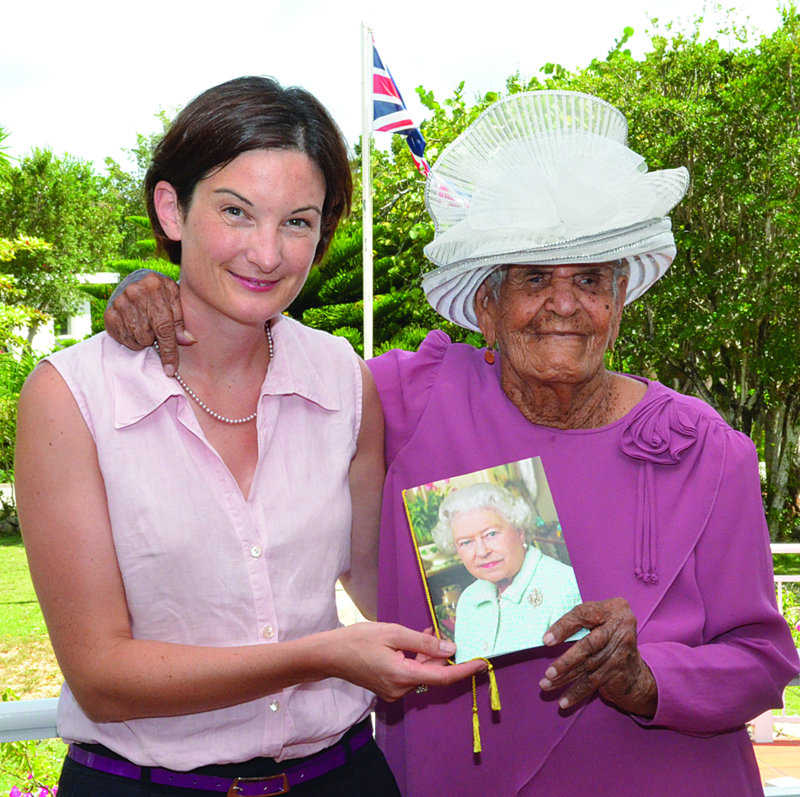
x: 545, y: 178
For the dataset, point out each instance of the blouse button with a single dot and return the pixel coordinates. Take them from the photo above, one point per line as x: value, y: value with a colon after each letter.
x: 274, y: 706
x: 268, y: 632
x: 255, y: 551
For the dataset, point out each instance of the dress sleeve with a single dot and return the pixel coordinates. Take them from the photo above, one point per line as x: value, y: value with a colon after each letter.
x: 747, y: 654
x: 404, y: 380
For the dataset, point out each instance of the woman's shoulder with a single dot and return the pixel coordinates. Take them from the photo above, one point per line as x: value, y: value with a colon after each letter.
x: 479, y: 591
x: 315, y: 366
x: 310, y: 339
x: 397, y: 365
x: 70, y: 376
x: 691, y: 404
x: 553, y: 565
x: 88, y: 347
x: 666, y: 424
x: 303, y: 353
x: 98, y: 355
x: 406, y: 375
x: 539, y: 568
x: 690, y: 407
x: 406, y: 382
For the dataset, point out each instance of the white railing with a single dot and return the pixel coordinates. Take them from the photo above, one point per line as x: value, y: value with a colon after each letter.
x: 28, y: 719
x: 36, y: 719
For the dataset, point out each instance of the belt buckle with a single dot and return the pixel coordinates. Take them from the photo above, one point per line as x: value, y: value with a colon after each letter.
x: 236, y: 790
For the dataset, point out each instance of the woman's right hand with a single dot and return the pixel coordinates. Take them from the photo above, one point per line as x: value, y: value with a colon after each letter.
x: 372, y: 655
x: 146, y: 307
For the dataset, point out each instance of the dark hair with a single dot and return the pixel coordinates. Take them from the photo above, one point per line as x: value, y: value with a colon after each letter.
x: 238, y: 116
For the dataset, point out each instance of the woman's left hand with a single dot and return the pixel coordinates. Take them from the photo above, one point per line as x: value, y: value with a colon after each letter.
x: 605, y: 661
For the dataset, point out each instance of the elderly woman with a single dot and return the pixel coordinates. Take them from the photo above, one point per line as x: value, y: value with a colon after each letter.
x: 546, y: 225
x: 519, y: 592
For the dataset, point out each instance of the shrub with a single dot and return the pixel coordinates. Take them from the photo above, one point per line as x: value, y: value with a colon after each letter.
x: 14, y: 369
x: 31, y: 767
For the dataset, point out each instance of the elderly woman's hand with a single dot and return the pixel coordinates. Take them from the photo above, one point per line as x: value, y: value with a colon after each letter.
x: 605, y: 661
x: 146, y: 307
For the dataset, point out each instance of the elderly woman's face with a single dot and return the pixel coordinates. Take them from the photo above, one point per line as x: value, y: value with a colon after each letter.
x: 488, y: 545
x: 553, y: 323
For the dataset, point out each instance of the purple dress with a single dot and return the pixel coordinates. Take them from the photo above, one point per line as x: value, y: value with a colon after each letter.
x: 662, y: 507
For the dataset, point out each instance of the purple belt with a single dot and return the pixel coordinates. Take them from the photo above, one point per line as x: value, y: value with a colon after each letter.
x: 313, y: 767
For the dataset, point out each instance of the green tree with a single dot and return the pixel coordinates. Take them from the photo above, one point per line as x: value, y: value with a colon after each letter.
x: 5, y: 158
x: 332, y: 299
x: 62, y: 201
x: 15, y: 315
x: 723, y: 325
x: 126, y: 184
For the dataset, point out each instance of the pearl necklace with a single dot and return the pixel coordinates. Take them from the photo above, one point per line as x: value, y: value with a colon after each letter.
x: 203, y: 406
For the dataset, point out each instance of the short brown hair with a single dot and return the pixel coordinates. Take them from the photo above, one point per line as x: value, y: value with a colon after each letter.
x: 238, y: 116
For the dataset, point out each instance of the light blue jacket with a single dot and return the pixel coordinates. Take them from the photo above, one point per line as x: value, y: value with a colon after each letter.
x: 488, y: 624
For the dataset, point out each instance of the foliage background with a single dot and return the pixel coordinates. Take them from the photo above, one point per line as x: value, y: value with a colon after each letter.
x: 722, y: 325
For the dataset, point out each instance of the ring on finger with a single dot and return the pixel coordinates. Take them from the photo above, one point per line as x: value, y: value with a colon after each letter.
x: 421, y: 689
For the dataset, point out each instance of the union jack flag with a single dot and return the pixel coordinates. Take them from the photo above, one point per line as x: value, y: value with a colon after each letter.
x: 390, y: 115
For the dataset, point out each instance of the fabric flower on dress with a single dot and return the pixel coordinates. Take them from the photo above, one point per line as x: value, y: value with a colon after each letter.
x: 659, y: 434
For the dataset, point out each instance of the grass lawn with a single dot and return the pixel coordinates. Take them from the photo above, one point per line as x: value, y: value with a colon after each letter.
x: 27, y: 662
x: 20, y: 615
x: 786, y: 564
x: 791, y: 700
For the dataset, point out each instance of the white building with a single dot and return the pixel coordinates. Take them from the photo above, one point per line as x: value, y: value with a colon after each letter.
x: 74, y: 327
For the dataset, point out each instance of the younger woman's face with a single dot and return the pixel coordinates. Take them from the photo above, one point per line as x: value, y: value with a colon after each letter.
x: 249, y: 236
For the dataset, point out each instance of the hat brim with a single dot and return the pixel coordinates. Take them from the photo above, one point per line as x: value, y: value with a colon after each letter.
x: 648, y: 251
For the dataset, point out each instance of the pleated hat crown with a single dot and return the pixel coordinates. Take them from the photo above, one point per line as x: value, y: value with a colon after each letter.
x: 545, y: 178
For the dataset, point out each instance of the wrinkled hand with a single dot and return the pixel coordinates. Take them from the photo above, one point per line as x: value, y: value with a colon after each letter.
x: 372, y: 655
x: 145, y: 307
x: 605, y: 661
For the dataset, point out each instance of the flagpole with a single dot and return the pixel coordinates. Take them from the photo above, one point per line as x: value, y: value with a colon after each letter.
x: 366, y: 182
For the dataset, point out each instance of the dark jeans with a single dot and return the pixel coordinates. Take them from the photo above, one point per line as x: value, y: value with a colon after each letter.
x: 366, y: 775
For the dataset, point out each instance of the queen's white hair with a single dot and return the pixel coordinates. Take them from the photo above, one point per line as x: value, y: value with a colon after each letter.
x: 483, y: 495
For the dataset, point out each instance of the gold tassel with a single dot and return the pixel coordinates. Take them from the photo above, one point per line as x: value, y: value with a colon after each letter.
x: 494, y: 699
x: 494, y: 692
x: 476, y: 723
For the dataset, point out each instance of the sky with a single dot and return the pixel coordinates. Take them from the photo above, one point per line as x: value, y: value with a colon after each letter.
x: 85, y: 77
